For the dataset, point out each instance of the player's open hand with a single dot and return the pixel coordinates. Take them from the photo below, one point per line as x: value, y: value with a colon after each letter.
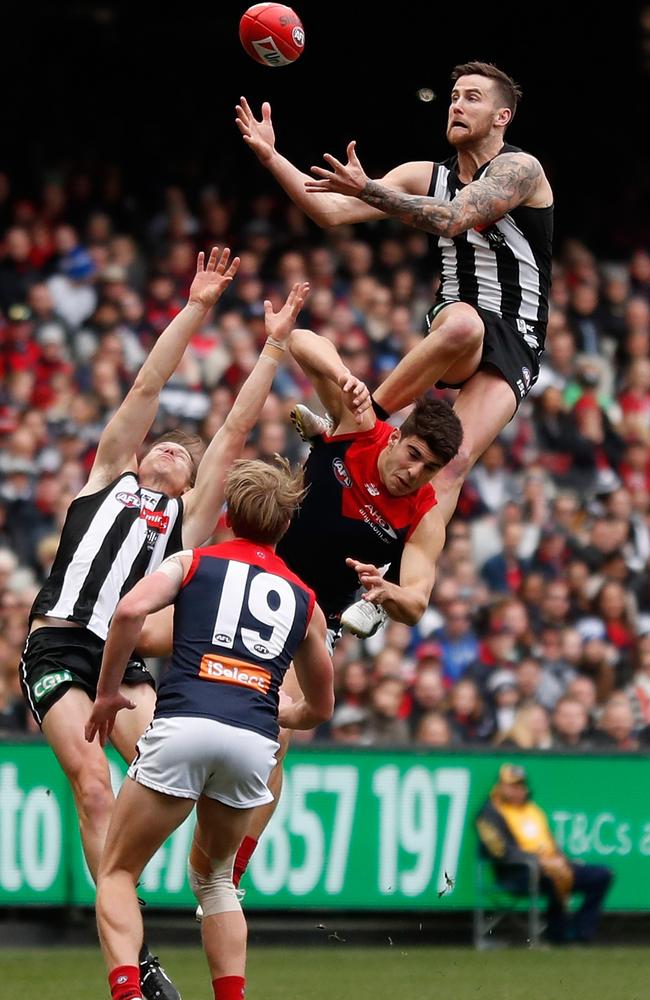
x: 280, y: 324
x: 377, y: 589
x: 356, y: 396
x: 344, y: 178
x: 211, y: 282
x: 259, y: 135
x: 102, y: 717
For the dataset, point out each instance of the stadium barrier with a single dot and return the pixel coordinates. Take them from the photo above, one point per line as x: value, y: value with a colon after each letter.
x: 355, y: 829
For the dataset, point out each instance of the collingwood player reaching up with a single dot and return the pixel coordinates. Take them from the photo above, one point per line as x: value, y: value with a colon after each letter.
x: 489, y: 210
x: 125, y: 521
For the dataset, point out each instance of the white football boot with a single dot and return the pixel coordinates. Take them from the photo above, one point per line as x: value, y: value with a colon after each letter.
x: 363, y: 619
x: 309, y: 424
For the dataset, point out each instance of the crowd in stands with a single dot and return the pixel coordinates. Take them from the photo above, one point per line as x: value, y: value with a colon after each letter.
x: 538, y: 631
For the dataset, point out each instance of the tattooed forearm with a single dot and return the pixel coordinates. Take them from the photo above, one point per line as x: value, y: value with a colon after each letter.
x: 429, y: 214
x: 508, y: 181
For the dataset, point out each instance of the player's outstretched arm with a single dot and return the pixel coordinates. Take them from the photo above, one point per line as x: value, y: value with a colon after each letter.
x: 512, y: 179
x: 332, y: 209
x: 315, y: 675
x: 344, y: 396
x: 150, y: 594
x: 407, y: 601
x: 202, y: 503
x: 128, y: 428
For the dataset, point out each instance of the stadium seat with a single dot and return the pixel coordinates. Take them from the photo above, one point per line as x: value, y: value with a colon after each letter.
x: 497, y: 903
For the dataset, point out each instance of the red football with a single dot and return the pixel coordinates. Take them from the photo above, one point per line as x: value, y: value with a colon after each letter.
x: 272, y: 34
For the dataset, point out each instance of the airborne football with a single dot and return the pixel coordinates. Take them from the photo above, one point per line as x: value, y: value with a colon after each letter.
x: 272, y: 34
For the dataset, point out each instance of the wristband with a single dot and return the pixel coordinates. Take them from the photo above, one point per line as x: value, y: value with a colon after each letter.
x: 272, y: 353
x: 276, y: 343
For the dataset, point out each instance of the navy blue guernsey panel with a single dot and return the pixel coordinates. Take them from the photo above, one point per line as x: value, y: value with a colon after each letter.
x: 238, y: 620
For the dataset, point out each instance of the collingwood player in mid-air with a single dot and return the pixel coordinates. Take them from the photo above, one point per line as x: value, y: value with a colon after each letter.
x: 489, y: 210
x: 128, y: 518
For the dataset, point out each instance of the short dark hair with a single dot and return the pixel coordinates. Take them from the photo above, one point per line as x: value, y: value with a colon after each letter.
x: 192, y: 444
x: 509, y: 91
x: 435, y: 422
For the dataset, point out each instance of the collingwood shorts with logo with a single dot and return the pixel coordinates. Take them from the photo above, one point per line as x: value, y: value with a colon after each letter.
x: 56, y: 659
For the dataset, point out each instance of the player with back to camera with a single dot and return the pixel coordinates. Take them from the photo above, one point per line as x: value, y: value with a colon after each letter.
x: 130, y: 515
x: 489, y: 210
x: 369, y: 504
x: 241, y: 616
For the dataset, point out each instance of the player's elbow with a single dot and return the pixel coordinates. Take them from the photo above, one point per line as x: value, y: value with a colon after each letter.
x: 415, y: 609
x: 129, y: 610
x: 323, y: 711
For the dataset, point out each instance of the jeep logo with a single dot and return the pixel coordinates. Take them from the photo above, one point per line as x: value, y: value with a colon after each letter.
x: 49, y: 682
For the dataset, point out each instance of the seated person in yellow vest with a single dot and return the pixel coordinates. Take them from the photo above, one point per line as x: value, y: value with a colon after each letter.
x: 514, y: 829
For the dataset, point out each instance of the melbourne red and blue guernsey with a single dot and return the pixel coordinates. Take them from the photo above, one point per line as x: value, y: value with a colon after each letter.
x: 238, y: 620
x: 349, y: 512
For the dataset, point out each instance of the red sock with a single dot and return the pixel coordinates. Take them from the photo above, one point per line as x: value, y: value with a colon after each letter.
x: 229, y: 988
x: 124, y: 982
x: 244, y: 854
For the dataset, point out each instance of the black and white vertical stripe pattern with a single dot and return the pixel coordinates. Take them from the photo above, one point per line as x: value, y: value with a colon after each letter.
x: 509, y: 275
x: 107, y: 545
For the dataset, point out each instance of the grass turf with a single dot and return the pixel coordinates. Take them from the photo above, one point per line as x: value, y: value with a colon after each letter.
x: 343, y: 972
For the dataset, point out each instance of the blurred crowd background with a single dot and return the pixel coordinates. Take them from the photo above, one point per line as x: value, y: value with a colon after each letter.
x: 538, y: 631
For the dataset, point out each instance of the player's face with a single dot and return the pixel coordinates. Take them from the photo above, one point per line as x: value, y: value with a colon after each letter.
x: 472, y: 110
x: 406, y: 464
x: 170, y: 464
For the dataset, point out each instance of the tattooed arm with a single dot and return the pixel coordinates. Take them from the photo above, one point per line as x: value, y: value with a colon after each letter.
x: 511, y: 179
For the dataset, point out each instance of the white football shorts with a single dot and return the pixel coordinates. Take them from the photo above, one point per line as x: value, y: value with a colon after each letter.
x: 189, y: 756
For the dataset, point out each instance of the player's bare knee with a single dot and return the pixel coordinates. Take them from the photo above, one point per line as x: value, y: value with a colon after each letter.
x: 462, y: 333
x: 93, y: 797
x: 215, y: 892
x: 456, y: 470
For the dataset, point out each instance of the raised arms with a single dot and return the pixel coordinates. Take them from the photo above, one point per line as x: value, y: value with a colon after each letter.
x: 332, y: 209
x: 511, y: 179
x: 129, y: 426
x: 202, y: 503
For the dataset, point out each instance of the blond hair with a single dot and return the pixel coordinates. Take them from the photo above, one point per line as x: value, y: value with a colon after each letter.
x: 262, y: 498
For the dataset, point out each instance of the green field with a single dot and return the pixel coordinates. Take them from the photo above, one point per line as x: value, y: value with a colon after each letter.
x: 342, y: 972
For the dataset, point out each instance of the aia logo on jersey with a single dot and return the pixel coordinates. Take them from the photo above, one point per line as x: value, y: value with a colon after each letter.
x: 342, y: 473
x: 372, y: 489
x: 374, y: 517
x: 128, y: 499
x: 156, y: 520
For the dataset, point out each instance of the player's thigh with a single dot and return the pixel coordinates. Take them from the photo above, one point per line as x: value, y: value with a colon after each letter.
x: 222, y: 827
x: 142, y: 820
x: 130, y: 724
x: 484, y: 406
x: 63, y: 728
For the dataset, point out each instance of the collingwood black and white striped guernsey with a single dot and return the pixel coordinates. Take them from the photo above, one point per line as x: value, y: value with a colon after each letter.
x: 110, y: 540
x: 505, y: 267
